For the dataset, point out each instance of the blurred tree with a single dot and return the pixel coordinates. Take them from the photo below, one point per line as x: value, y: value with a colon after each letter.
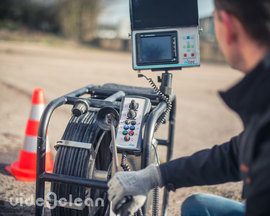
x: 32, y: 13
x: 77, y: 18
x: 72, y: 18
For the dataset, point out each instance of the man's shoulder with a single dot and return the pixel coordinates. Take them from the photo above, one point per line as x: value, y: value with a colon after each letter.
x: 263, y: 123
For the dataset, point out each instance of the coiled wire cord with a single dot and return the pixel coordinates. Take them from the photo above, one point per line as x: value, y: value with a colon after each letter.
x: 163, y: 97
x: 126, y: 168
x: 155, y: 209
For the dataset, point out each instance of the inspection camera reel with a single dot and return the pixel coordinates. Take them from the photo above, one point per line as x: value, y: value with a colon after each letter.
x: 115, y: 123
x: 76, y: 157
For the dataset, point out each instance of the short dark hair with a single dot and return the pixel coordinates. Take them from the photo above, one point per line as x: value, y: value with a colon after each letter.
x: 253, y: 14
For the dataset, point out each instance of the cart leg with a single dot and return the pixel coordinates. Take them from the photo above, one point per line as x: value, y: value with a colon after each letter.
x: 40, y: 183
x: 169, y: 154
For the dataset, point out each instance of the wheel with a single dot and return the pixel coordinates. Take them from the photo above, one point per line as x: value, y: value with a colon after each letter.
x: 79, y: 162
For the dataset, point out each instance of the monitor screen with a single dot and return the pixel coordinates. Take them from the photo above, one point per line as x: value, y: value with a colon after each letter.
x: 149, y: 14
x: 155, y: 49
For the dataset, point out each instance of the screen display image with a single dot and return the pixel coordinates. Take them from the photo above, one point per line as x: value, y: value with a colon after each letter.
x: 149, y: 14
x: 155, y: 49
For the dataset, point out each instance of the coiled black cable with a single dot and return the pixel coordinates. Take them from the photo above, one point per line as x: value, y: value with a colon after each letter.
x: 75, y: 162
x: 155, y: 208
x: 124, y: 163
x: 163, y: 97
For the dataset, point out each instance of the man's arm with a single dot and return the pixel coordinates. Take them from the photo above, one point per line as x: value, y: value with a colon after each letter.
x: 207, y: 167
x: 258, y: 184
x: 213, y: 166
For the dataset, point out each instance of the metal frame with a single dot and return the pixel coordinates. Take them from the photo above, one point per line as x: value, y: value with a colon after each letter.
x: 100, y: 93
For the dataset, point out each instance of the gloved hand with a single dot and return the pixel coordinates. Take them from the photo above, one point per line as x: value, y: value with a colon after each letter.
x: 131, y: 206
x: 133, y: 184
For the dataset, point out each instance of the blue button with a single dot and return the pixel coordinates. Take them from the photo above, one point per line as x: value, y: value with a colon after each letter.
x: 132, y: 127
x: 188, y: 37
x: 126, y: 127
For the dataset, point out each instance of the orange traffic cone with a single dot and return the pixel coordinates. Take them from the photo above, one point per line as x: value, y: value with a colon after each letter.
x: 25, y: 168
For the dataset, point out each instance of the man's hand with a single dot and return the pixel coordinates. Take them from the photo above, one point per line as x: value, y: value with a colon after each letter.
x: 134, y: 185
x: 130, y: 206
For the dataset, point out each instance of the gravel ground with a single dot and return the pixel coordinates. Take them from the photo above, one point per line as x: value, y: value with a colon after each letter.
x: 202, y: 118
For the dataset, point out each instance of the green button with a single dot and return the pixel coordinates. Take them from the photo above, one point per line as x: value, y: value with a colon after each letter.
x: 125, y: 132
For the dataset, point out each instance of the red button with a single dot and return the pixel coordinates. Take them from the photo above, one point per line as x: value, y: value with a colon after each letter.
x: 192, y: 54
x: 185, y: 55
x: 131, y: 133
x: 127, y: 138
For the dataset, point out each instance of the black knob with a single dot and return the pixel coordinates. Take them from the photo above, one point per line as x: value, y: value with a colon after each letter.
x: 131, y: 114
x: 133, y: 105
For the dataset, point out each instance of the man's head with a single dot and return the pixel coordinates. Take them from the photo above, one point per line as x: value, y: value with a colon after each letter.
x: 243, y: 31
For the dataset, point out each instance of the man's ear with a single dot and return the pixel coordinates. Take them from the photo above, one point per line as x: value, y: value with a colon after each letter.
x: 229, y: 25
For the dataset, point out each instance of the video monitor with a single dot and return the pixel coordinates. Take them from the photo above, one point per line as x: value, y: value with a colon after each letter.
x: 156, y: 48
x: 149, y: 14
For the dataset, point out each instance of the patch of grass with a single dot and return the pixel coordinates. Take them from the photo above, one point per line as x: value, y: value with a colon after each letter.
x: 9, y: 25
x: 22, y: 34
x: 11, y: 31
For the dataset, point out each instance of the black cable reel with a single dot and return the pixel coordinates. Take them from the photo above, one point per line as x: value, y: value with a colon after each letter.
x: 85, y: 128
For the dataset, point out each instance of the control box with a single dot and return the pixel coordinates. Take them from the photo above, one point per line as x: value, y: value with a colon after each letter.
x: 165, y: 34
x: 168, y: 48
x: 129, y: 132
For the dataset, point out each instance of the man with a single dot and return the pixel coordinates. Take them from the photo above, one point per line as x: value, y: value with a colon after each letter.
x: 243, y: 33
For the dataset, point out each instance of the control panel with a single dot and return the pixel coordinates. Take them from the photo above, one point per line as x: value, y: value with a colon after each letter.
x: 129, y: 132
x: 189, y: 46
x: 166, y: 48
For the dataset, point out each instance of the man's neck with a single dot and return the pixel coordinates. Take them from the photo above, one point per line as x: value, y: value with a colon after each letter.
x: 252, y: 55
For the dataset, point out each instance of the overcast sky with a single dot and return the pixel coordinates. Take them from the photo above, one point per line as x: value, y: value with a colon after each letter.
x: 206, y: 7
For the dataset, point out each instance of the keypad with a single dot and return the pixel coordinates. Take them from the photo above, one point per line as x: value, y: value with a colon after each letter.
x: 129, y: 130
x: 132, y: 113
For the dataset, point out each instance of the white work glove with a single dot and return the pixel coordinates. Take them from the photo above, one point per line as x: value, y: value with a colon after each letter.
x: 135, y: 185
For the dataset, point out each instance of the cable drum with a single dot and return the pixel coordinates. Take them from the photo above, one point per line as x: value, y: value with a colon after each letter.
x: 77, y: 162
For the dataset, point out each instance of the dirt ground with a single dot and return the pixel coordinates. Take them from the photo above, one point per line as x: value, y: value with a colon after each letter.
x: 202, y: 118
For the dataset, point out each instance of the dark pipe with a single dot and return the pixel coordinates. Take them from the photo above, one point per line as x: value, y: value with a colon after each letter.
x: 81, y: 106
x: 74, y: 180
x: 149, y: 132
x: 169, y: 153
x: 116, y: 96
x: 131, y: 91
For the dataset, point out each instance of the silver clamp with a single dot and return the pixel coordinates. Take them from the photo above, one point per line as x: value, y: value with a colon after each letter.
x: 74, y: 144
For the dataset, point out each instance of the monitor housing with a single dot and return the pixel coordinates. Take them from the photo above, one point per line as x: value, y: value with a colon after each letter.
x: 165, y: 34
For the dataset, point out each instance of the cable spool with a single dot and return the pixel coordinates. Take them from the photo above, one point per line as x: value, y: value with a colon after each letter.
x: 76, y: 162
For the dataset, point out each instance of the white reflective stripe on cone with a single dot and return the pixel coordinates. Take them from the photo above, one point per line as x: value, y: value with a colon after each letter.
x: 36, y: 112
x: 30, y: 144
